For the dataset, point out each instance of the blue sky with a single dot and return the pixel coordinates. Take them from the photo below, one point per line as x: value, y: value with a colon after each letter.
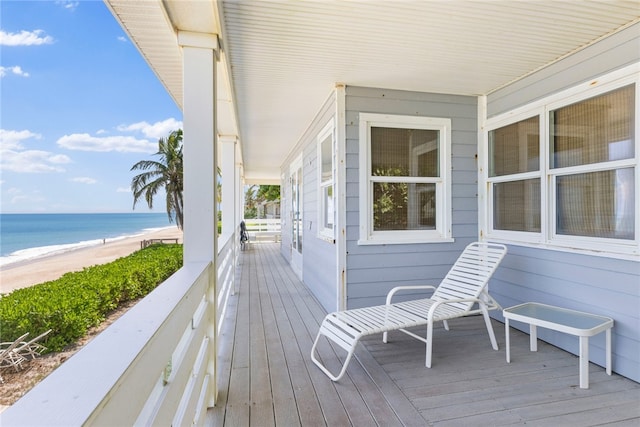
x: 78, y: 107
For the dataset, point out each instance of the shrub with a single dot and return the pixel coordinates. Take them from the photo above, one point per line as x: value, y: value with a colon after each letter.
x: 77, y: 301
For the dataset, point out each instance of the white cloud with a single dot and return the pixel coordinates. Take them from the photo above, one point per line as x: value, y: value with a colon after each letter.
x: 68, y: 4
x: 12, y: 139
x: 123, y: 190
x: 24, y: 38
x: 83, y: 180
x: 122, y: 39
x: 121, y: 144
x: 19, y: 197
x: 156, y: 130
x: 32, y: 161
x: 14, y: 157
x: 59, y: 159
x: 13, y: 70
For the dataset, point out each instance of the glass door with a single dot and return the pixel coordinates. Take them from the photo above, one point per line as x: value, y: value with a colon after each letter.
x: 296, y: 216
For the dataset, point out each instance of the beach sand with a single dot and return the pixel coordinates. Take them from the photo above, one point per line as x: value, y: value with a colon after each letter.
x: 39, y: 270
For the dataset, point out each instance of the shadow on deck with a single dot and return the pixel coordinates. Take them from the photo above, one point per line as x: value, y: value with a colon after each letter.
x: 266, y: 376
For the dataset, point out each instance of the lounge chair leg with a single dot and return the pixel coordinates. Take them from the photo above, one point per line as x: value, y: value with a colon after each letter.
x: 487, y: 321
x: 323, y: 368
x: 429, y: 343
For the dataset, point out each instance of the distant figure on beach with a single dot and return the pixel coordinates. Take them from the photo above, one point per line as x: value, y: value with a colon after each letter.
x: 104, y: 241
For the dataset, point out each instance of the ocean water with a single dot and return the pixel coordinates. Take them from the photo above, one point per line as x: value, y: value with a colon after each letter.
x: 27, y: 236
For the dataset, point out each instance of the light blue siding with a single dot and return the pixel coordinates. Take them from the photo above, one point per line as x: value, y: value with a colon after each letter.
x: 614, y: 52
x: 605, y: 286
x: 319, y: 261
x: 372, y: 270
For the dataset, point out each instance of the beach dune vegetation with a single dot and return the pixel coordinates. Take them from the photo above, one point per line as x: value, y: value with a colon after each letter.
x: 77, y: 301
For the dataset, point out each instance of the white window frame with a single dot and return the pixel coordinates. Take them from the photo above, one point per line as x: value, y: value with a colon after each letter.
x: 442, y: 232
x: 327, y: 132
x: 547, y: 237
x: 519, y: 236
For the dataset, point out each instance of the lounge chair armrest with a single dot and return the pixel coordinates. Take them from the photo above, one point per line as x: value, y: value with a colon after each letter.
x: 393, y: 291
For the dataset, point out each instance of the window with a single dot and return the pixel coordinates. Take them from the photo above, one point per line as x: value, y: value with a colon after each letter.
x: 514, y: 176
x: 591, y: 156
x: 326, y: 154
x: 404, y: 179
x: 565, y: 174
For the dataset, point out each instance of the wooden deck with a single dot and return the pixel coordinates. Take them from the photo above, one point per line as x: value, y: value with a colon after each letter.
x: 267, y: 377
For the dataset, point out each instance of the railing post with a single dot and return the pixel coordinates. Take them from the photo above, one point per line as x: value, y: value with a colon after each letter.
x: 212, y: 333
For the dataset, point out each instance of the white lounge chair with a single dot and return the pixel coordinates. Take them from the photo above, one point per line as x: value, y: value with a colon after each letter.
x: 463, y: 288
x: 9, y: 358
x: 29, y: 349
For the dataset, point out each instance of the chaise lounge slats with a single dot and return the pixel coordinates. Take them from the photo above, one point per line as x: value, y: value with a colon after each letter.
x: 9, y: 357
x: 464, y: 287
x: 336, y: 335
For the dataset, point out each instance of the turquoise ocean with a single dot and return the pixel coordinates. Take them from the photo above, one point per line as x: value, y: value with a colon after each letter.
x: 28, y: 236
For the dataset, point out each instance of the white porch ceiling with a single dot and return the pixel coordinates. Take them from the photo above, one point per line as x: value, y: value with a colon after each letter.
x: 281, y: 59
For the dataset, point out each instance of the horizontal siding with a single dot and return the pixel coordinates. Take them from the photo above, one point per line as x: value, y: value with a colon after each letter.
x: 372, y: 270
x: 605, y: 286
x: 614, y: 52
x: 318, y: 256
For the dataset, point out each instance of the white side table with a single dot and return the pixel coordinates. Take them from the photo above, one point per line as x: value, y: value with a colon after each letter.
x: 583, y: 325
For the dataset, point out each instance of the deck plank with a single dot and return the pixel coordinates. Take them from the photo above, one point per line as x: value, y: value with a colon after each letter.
x: 262, y: 399
x: 306, y: 399
x: 225, y: 358
x: 300, y: 307
x: 238, y: 395
x: 294, y: 338
x: 406, y: 413
x: 266, y: 376
x: 279, y: 343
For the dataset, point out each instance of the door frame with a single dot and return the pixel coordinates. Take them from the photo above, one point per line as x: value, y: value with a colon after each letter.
x: 296, y: 214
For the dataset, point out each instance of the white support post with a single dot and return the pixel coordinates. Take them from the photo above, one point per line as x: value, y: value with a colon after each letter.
x: 228, y: 170
x: 482, y: 173
x: 199, y: 156
x: 240, y: 192
x: 229, y: 195
x: 340, y: 194
x: 239, y: 211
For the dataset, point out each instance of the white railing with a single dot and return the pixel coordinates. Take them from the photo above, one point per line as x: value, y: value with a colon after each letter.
x: 263, y: 229
x: 154, y: 365
x: 227, y: 261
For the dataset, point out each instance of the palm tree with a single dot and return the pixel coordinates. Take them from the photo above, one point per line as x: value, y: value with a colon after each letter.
x: 165, y: 172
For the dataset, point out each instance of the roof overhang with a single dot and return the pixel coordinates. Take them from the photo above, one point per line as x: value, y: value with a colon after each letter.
x: 280, y: 60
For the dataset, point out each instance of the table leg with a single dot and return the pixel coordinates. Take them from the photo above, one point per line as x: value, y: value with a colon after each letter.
x: 608, y: 350
x: 584, y: 362
x: 506, y: 339
x: 533, y: 338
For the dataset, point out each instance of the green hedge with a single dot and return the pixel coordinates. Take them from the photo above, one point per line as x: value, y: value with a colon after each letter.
x: 77, y: 301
